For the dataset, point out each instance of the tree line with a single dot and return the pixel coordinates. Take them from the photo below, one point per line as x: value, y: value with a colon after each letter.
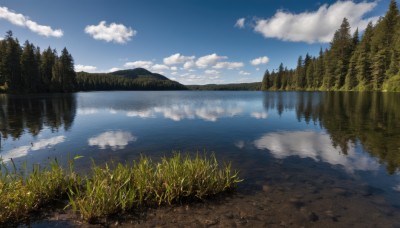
x: 28, y: 70
x: 351, y: 64
x: 104, y: 81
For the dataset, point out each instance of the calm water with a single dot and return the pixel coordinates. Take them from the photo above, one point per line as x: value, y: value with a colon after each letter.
x: 352, y: 136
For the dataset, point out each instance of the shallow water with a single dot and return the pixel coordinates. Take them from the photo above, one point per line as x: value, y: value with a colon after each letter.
x: 333, y: 155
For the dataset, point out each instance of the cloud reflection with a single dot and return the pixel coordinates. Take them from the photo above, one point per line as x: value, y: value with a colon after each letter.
x: 114, y: 139
x: 315, y: 145
x: 259, y: 115
x: 38, y: 145
x: 210, y: 112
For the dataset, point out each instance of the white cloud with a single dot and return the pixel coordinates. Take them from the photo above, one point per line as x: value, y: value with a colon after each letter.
x: 207, y: 60
x: 174, y: 68
x: 317, y: 26
x: 23, y: 21
x: 117, y: 33
x: 142, y: 64
x: 114, y: 69
x: 244, y: 72
x: 259, y: 61
x: 257, y: 69
x: 315, y: 145
x: 159, y: 67
x: 177, y: 59
x: 228, y: 65
x: 188, y: 65
x: 211, y: 72
x: 240, y: 23
x: 174, y: 73
x: 113, y: 139
x: 90, y: 69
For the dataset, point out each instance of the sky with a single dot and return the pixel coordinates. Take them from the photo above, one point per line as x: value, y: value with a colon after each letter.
x: 190, y: 41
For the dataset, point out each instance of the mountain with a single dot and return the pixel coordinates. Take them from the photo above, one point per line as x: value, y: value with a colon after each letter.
x: 132, y: 79
x: 139, y: 73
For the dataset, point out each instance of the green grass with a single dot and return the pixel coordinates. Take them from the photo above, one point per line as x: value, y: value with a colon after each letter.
x: 113, y: 188
x: 21, y: 193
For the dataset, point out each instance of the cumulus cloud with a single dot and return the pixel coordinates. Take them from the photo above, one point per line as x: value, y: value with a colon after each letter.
x: 240, y: 23
x: 259, y: 61
x: 23, y: 21
x: 159, y: 67
x: 189, y: 65
x: 317, y: 26
x: 244, y: 72
x: 113, y: 139
x: 207, y: 60
x: 228, y: 65
x: 174, y: 68
x: 211, y: 72
x: 117, y: 33
x: 90, y: 69
x: 177, y: 59
x: 136, y: 64
x: 114, y: 69
x: 317, y: 146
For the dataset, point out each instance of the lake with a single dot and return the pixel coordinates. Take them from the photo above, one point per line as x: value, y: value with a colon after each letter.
x: 305, y: 157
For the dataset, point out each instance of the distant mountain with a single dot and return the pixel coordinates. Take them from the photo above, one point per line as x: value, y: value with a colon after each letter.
x: 139, y: 73
x: 132, y: 79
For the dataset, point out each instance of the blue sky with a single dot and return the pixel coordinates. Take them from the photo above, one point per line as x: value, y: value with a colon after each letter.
x: 191, y: 41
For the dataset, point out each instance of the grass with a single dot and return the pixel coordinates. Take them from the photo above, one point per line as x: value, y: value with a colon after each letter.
x: 22, y: 193
x: 114, y: 188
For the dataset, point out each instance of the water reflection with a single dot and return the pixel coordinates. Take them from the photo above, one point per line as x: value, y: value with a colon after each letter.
x: 207, y: 111
x: 113, y: 139
x: 373, y: 119
x: 259, y: 115
x: 22, y: 151
x: 19, y: 114
x: 315, y: 145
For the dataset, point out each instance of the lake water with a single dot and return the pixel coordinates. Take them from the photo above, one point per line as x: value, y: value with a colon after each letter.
x: 329, y: 148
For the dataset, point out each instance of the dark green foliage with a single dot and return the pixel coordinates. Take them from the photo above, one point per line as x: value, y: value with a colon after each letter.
x: 27, y: 70
x: 350, y: 63
x: 125, y: 80
x: 254, y: 86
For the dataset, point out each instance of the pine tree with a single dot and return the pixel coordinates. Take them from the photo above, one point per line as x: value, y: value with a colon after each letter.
x: 378, y: 69
x: 265, y: 82
x: 29, y: 69
x: 48, y: 60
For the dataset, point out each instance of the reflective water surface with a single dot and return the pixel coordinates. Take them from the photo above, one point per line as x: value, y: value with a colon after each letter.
x: 350, y: 136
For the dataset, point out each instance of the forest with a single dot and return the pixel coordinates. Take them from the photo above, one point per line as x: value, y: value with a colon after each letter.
x: 28, y: 70
x: 350, y: 64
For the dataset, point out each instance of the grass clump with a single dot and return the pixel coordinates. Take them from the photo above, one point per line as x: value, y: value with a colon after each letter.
x: 112, y: 188
x: 22, y: 193
x: 143, y: 183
